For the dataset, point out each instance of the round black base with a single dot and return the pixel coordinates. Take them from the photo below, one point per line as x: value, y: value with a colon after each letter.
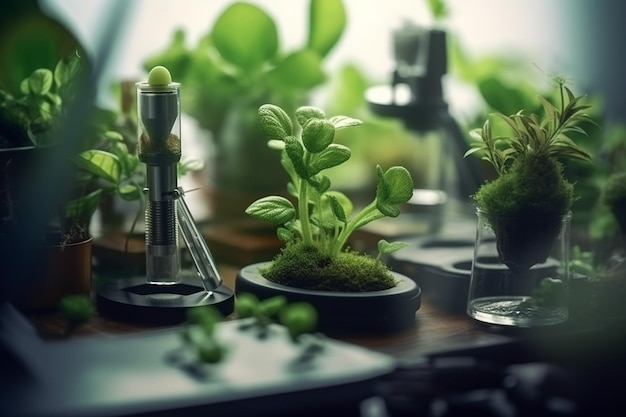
x: 135, y: 300
x: 344, y: 313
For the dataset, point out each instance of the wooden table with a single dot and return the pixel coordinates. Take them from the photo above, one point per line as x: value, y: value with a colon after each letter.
x: 434, y: 330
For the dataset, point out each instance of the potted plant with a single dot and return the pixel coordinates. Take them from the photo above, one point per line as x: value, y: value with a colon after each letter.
x: 353, y: 292
x: 29, y: 126
x: 527, y: 206
x: 237, y: 66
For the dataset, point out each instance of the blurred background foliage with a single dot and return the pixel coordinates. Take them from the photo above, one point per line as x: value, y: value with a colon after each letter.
x: 220, y: 72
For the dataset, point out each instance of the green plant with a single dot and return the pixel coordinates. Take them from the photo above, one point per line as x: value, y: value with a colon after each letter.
x: 30, y: 118
x: 241, y: 63
x: 526, y: 202
x: 103, y: 164
x: 526, y: 158
x: 317, y: 229
x: 108, y: 169
x: 241, y: 59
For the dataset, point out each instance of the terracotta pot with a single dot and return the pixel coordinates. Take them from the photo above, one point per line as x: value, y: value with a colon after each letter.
x: 344, y: 313
x: 64, y: 270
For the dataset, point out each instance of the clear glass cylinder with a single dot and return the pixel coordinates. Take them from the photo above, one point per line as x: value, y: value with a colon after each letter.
x: 520, y: 270
x: 158, y: 111
x: 159, y: 147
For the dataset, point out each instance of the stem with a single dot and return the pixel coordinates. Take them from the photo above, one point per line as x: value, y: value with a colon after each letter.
x: 350, y: 227
x: 303, y: 212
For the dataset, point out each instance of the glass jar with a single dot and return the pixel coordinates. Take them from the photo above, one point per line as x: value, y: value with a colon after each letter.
x: 520, y: 270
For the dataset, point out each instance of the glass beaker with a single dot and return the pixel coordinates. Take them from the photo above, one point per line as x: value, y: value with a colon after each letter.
x: 520, y: 270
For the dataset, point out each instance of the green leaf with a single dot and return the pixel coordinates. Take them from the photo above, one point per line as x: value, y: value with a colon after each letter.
x: 40, y: 82
x: 274, y: 122
x: 66, y: 70
x: 327, y: 21
x: 113, y: 136
x: 129, y: 192
x: 275, y: 210
x: 84, y: 206
x: 342, y: 199
x: 341, y: 122
x: 438, y: 9
x: 101, y: 164
x: 295, y: 151
x: 393, y: 187
x: 385, y: 247
x: 245, y: 35
x: 501, y: 97
x: 317, y: 135
x: 305, y: 113
x: 301, y: 69
x: 320, y: 183
x: 337, y: 209
x: 285, y: 234
x: 400, y: 184
x: 335, y: 154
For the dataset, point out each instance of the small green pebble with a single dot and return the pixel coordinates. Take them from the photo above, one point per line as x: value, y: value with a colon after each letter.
x: 159, y: 75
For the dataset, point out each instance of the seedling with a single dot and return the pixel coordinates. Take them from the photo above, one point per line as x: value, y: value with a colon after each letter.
x: 317, y: 228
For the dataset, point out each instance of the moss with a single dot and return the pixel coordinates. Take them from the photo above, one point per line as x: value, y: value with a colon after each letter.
x: 304, y: 266
x: 534, y: 185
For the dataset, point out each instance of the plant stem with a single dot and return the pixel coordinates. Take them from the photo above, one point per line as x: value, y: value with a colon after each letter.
x: 303, y: 212
x: 353, y: 224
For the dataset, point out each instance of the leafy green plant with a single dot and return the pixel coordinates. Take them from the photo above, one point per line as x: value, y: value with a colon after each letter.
x: 241, y: 59
x: 30, y: 118
x: 525, y: 203
x: 104, y: 164
x: 317, y: 229
x: 239, y: 64
x: 526, y: 157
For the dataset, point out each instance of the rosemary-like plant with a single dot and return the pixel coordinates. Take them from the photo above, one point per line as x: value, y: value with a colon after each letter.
x: 530, y: 135
x: 526, y: 157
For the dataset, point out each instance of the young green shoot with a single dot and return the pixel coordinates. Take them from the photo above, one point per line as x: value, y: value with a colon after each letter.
x: 322, y: 217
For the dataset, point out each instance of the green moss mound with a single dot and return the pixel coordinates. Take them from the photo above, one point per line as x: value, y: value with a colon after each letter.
x: 535, y: 185
x: 306, y: 267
